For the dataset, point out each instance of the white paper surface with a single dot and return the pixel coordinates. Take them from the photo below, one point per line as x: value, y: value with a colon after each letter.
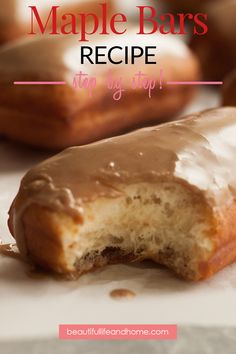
x: 33, y: 308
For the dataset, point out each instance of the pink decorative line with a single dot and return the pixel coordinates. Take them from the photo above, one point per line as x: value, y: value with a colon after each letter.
x: 39, y: 82
x: 195, y: 83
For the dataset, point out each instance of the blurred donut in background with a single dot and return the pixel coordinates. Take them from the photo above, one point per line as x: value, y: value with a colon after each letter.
x: 192, y: 6
x: 55, y: 117
x: 229, y: 91
x: 217, y: 49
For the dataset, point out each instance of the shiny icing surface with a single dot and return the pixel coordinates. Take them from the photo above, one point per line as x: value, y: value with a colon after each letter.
x: 199, y: 150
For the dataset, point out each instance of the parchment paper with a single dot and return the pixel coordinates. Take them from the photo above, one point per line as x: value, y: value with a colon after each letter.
x: 33, y: 308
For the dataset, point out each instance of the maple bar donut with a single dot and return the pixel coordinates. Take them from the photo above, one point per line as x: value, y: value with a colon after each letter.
x: 216, y: 50
x: 17, y: 19
x: 229, y: 90
x: 59, y: 116
x: 165, y: 193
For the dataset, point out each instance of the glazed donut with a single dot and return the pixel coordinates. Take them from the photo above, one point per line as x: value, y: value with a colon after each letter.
x: 229, y: 91
x: 216, y: 50
x: 60, y: 116
x: 15, y: 15
x: 165, y: 193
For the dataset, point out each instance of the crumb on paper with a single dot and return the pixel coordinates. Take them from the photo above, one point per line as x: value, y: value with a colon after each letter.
x: 122, y: 293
